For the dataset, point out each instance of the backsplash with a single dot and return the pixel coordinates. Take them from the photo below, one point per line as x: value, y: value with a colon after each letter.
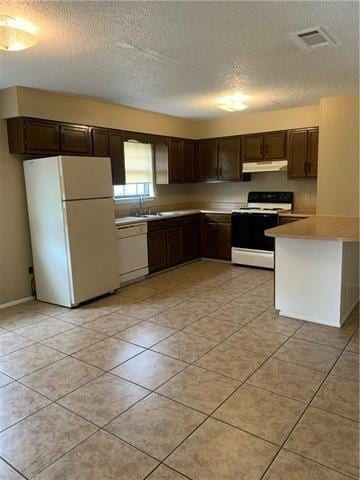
x: 236, y: 193
x: 168, y: 197
x: 224, y: 196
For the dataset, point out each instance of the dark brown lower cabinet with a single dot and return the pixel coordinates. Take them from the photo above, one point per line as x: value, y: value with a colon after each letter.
x: 173, y: 241
x: 216, y: 236
x: 157, y: 250
x: 210, y: 239
x: 283, y: 220
x: 224, y: 241
x: 191, y: 237
x: 175, y: 248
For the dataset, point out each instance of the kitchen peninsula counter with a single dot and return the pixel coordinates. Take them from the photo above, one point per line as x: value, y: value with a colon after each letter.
x: 317, y: 268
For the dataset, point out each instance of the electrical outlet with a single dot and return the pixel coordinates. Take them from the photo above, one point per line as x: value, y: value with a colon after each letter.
x: 307, y: 197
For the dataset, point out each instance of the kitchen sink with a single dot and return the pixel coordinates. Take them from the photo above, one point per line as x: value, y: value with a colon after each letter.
x: 159, y: 214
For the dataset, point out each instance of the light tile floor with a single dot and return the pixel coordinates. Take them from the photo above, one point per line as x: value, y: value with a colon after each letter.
x: 190, y: 374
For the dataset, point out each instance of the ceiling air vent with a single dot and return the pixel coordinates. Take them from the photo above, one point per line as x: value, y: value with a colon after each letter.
x: 316, y: 37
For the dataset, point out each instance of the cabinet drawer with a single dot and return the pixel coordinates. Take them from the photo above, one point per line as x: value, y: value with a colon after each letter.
x: 217, y: 217
x: 190, y: 219
x: 155, y: 225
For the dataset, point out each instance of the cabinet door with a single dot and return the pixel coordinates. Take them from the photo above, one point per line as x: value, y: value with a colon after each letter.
x: 224, y: 241
x: 100, y: 142
x: 313, y: 145
x: 283, y: 220
x: 275, y: 145
x: 229, y: 159
x: 210, y: 239
x: 157, y: 250
x: 207, y: 160
x: 297, y: 153
x: 253, y: 148
x: 74, y: 139
x: 41, y: 137
x: 116, y: 150
x: 188, y: 161
x: 175, y: 248
x: 191, y: 235
x: 175, y: 160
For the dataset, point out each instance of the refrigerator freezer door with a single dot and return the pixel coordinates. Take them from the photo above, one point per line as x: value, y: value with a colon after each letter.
x: 91, y: 234
x: 85, y: 177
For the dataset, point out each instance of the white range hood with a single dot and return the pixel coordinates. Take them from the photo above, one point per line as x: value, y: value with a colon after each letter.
x: 265, y: 166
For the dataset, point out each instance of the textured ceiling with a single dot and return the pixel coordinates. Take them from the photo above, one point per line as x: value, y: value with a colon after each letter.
x: 179, y: 57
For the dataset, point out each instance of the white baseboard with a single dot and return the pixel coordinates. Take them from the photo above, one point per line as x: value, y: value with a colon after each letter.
x: 16, y: 302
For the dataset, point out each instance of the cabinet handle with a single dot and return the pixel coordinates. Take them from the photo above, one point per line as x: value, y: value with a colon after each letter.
x: 220, y: 172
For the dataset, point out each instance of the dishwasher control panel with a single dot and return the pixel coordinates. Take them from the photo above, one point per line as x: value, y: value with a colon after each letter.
x: 124, y: 231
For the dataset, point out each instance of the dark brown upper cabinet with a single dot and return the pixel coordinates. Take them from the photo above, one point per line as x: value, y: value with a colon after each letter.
x: 207, y: 160
x: 253, y: 148
x: 174, y: 161
x: 303, y: 152
x: 177, y: 160
x: 100, y: 142
x: 74, y: 139
x: 220, y: 159
x: 189, y: 161
x: 116, y: 151
x: 229, y: 158
x: 275, y: 145
x: 32, y: 136
x: 313, y: 148
x: 264, y: 146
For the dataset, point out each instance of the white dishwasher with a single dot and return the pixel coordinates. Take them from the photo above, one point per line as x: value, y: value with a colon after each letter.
x: 132, y: 251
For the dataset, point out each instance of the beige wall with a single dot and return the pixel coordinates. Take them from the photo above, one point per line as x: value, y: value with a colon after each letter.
x: 15, y: 254
x: 89, y: 111
x: 218, y: 194
x: 338, y: 176
x: 241, y: 123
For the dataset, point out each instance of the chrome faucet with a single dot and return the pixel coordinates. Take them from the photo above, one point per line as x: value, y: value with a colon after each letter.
x: 140, y: 210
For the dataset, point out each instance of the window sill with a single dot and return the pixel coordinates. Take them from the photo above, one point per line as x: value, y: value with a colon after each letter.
x: 133, y: 200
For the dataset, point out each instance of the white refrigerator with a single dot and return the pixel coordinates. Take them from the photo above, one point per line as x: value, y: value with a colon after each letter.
x: 72, y: 228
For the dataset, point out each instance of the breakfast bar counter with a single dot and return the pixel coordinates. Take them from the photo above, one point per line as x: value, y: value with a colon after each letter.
x: 317, y: 268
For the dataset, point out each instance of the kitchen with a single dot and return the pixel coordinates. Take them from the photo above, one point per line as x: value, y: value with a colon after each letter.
x: 143, y: 374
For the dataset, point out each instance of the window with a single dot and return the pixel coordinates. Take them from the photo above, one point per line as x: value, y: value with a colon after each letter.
x: 139, y: 175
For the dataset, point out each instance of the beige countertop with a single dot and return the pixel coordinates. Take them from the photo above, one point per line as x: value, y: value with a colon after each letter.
x: 297, y: 213
x: 126, y: 220
x: 344, y: 229
x: 165, y: 215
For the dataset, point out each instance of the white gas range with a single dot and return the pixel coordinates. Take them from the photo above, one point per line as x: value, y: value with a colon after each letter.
x: 250, y: 246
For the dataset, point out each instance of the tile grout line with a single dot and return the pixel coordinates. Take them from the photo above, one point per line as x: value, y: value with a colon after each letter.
x: 69, y: 355
x: 302, y: 415
x: 189, y: 364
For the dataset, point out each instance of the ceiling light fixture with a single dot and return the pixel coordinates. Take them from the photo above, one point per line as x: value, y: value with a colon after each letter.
x: 15, y: 34
x: 232, y: 103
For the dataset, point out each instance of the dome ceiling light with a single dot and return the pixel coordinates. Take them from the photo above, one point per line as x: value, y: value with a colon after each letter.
x: 15, y: 34
x: 232, y: 103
